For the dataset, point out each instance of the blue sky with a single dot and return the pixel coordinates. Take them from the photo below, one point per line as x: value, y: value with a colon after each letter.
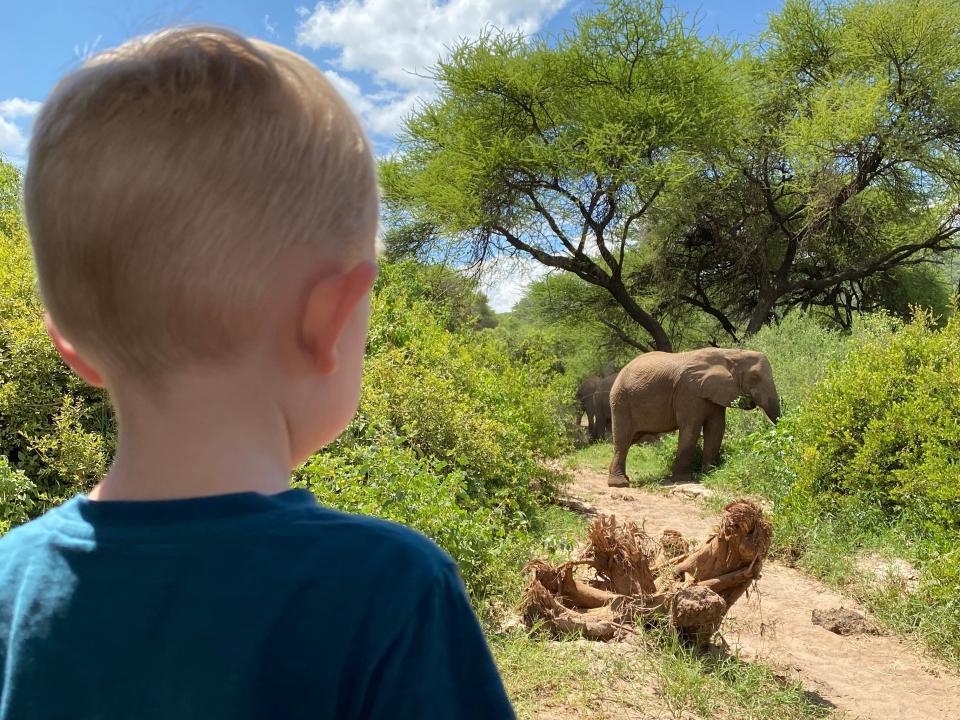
x: 374, y: 51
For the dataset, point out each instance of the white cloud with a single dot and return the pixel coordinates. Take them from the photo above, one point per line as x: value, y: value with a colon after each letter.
x: 16, y: 116
x: 13, y: 142
x: 18, y: 107
x: 396, y: 42
x: 504, y: 279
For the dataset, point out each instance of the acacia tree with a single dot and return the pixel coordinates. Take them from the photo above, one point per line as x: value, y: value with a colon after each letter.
x: 561, y: 150
x: 847, y: 172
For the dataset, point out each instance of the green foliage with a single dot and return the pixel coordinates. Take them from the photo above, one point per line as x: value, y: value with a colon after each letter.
x: 463, y: 306
x: 865, y: 459
x: 689, y: 192
x: 16, y: 496
x: 53, y: 428
x: 449, y: 434
x: 571, y: 108
x: 884, y: 427
x: 560, y: 148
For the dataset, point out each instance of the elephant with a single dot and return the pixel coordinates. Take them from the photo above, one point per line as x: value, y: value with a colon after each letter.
x: 586, y: 397
x: 604, y: 414
x: 659, y: 392
x: 594, y: 397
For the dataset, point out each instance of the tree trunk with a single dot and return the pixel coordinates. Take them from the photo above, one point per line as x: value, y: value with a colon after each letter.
x: 641, y: 316
x: 760, y: 315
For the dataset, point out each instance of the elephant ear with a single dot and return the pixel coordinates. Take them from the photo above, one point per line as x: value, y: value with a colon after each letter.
x: 713, y: 381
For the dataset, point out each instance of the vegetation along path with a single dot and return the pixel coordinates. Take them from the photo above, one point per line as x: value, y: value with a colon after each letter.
x: 866, y: 676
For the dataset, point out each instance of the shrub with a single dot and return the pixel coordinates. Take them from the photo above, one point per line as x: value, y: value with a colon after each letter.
x: 866, y: 458
x: 16, y: 496
x: 449, y: 436
x: 54, y: 429
x: 883, y: 428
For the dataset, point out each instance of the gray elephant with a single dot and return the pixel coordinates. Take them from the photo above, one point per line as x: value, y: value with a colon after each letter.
x: 594, y: 398
x: 661, y: 392
x: 586, y: 398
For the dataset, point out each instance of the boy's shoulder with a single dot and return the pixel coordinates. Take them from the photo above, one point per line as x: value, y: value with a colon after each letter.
x: 27, y: 534
x: 375, y: 539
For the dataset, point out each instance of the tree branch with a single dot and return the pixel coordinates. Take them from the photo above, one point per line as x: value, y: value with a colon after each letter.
x: 879, y: 263
x: 705, y: 305
x: 618, y: 331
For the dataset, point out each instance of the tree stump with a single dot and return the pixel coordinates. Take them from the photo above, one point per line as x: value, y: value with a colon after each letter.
x: 692, y: 590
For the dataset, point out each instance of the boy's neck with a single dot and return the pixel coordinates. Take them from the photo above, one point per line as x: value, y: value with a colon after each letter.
x: 204, y: 436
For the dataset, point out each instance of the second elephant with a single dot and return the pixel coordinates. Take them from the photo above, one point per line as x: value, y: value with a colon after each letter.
x: 660, y: 392
x: 594, y: 398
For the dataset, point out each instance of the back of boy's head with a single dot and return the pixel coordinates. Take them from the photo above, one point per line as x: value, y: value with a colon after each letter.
x: 168, y: 179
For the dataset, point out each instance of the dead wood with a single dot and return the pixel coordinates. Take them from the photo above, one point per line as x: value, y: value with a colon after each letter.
x: 576, y: 505
x: 621, y: 555
x: 740, y: 543
x: 672, y: 547
x: 560, y: 581
x: 692, y: 589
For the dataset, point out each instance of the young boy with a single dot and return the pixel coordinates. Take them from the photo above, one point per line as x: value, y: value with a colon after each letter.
x: 203, y: 211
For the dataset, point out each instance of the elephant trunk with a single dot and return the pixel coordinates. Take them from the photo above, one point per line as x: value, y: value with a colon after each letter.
x: 771, y: 407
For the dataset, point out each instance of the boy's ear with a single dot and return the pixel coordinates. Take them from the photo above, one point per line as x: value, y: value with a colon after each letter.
x: 331, y: 302
x: 71, y: 357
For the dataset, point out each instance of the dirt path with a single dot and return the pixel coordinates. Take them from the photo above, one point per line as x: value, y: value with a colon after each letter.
x: 866, y: 676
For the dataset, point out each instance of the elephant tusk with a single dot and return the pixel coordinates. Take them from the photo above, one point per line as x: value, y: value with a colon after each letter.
x: 767, y: 417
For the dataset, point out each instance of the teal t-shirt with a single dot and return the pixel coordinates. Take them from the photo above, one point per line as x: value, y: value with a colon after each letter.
x: 237, y: 606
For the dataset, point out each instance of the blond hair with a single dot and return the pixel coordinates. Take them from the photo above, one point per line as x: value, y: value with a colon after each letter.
x: 168, y: 176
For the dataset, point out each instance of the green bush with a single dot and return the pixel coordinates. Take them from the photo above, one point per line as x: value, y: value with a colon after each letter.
x: 883, y: 428
x: 16, y: 496
x: 449, y: 436
x: 53, y: 428
x: 866, y: 459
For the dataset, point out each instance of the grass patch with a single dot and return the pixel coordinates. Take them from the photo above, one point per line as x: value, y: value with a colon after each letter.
x: 717, y: 685
x: 647, y: 464
x: 561, y: 531
x: 658, y: 677
x: 541, y: 675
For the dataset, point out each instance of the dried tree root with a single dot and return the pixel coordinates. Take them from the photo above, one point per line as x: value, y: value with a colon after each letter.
x: 560, y: 581
x: 741, y: 542
x: 692, y: 589
x: 539, y: 605
x: 622, y: 555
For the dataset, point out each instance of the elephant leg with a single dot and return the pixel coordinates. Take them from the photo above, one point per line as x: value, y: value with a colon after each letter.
x: 686, y: 449
x: 591, y: 425
x: 594, y: 425
x: 622, y: 437
x: 713, y: 430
